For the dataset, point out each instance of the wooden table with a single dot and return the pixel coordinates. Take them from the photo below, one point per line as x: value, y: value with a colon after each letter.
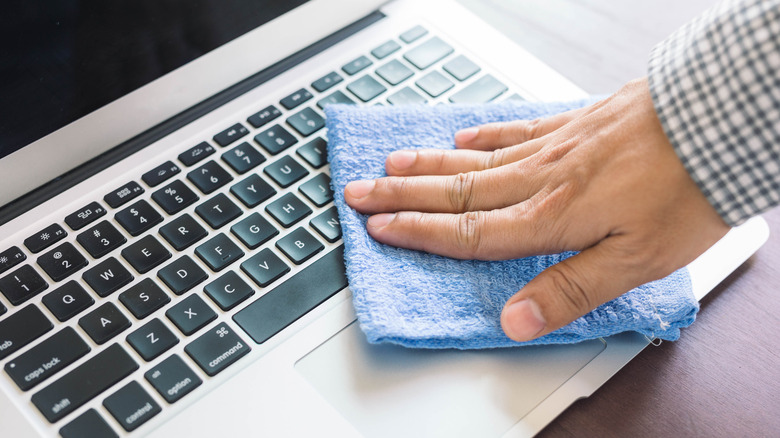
x: 722, y: 378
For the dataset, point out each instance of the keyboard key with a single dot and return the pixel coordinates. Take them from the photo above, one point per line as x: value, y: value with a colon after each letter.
x: 314, y: 152
x: 394, y: 72
x: 515, y: 96
x: 230, y: 135
x: 299, y: 246
x: 84, y: 216
x: 10, y: 258
x: 288, y: 210
x: 335, y: 97
x: 143, y: 298
x: 182, y: 275
x: 160, y: 174
x: 264, y: 267
x: 101, y: 239
x: 328, y: 225
x: 45, y: 238
x: 366, y: 88
x: 173, y: 379
x: 196, y: 153
x: 461, y: 68
x: 295, y: 297
x: 138, y: 218
x: 428, y: 53
x: 68, y: 301
x: 296, y: 99
x: 131, y: 406
x: 22, y: 284
x: 413, y: 34
x: 21, y: 328
x: 217, y: 349
x: 285, y: 171
x: 104, y: 323
x: 219, y: 252
x: 84, y: 382
x: 356, y: 65
x: 90, y: 423
x: 62, y: 261
x: 306, y: 122
x: 152, y: 339
x: 252, y: 191
x: 264, y: 116
x: 123, y: 195
x: 482, y: 90
x: 385, y: 49
x: 209, y: 177
x: 218, y: 211
x: 107, y: 277
x: 406, y: 96
x: 45, y: 359
x: 243, y: 158
x: 326, y: 81
x: 228, y: 290
x: 275, y: 139
x: 182, y: 232
x: 145, y: 254
x: 191, y: 314
x: 318, y: 190
x: 174, y: 197
x: 434, y: 83
x: 254, y: 231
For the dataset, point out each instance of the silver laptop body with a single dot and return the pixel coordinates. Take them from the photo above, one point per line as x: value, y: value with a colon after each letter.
x: 312, y: 375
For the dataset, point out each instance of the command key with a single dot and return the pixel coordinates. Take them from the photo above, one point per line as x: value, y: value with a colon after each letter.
x: 217, y: 349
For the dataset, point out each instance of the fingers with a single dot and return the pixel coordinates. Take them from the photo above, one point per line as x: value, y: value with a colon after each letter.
x: 568, y: 290
x: 504, y: 134
x: 485, y: 190
x: 483, y: 235
x: 450, y: 162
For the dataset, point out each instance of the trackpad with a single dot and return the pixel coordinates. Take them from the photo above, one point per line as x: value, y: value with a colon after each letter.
x: 386, y: 390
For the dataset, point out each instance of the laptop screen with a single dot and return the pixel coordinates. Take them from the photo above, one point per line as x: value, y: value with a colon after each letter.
x: 62, y: 60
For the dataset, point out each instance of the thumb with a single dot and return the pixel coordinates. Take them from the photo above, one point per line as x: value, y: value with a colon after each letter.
x: 567, y: 290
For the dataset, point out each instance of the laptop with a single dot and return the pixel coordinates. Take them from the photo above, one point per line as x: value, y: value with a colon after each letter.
x: 170, y: 258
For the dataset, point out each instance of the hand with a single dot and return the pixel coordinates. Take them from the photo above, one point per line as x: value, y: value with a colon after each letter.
x: 603, y: 180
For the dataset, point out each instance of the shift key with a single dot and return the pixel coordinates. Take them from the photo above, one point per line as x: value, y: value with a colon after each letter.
x: 84, y: 382
x: 217, y: 349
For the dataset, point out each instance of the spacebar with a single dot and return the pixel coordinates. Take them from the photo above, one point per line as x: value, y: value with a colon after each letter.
x: 294, y: 298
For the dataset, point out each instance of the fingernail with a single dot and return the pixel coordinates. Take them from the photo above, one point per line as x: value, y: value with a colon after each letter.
x: 402, y: 159
x: 359, y: 189
x: 466, y: 135
x: 522, y: 320
x: 380, y: 220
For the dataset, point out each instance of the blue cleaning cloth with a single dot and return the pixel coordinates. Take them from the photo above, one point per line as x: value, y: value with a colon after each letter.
x: 422, y: 300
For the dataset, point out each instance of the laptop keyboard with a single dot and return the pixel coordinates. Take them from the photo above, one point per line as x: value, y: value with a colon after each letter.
x: 262, y: 206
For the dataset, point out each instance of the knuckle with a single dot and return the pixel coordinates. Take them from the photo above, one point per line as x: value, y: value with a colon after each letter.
x: 461, y: 191
x: 468, y: 233
x: 496, y: 158
x: 571, y: 292
x: 532, y: 129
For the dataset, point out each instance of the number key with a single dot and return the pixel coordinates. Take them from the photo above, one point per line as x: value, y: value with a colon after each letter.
x: 101, y: 239
x: 22, y: 284
x: 138, y: 218
x: 174, y: 197
x: 62, y: 261
x: 209, y: 177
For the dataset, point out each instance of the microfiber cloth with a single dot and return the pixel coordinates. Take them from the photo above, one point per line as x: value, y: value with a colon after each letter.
x: 422, y: 300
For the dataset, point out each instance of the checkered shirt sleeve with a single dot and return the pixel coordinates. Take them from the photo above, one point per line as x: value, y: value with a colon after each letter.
x: 715, y: 85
